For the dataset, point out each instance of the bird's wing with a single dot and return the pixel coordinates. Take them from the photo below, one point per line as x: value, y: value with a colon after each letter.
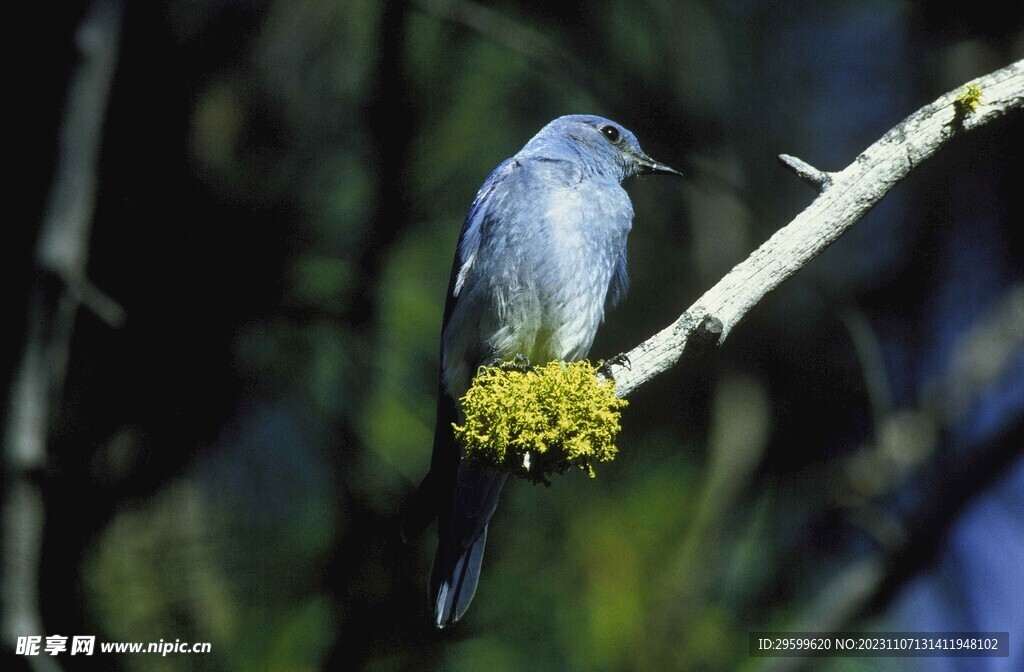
x: 473, y: 229
x: 438, y: 484
x: 620, y: 282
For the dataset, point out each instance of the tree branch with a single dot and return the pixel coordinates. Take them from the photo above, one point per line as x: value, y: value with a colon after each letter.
x: 844, y: 198
x: 61, y: 254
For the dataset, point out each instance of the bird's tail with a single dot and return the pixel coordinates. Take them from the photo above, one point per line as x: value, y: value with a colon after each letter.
x: 454, y: 577
x: 462, y: 534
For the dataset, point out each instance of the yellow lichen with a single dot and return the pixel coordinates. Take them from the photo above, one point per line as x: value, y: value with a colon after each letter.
x: 968, y: 100
x: 533, y: 422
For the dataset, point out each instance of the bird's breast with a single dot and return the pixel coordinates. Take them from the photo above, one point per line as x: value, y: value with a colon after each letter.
x: 551, y: 301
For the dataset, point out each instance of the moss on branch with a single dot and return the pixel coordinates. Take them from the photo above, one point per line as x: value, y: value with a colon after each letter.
x: 534, y: 422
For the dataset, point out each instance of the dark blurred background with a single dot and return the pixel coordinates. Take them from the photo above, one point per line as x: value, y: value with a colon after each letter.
x: 280, y: 186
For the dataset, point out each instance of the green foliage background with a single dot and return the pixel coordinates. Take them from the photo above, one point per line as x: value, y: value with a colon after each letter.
x: 282, y: 188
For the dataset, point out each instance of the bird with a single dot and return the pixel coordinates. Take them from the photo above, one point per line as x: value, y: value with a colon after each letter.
x: 540, y: 257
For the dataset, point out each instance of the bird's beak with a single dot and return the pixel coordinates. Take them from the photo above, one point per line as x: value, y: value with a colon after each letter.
x: 648, y: 166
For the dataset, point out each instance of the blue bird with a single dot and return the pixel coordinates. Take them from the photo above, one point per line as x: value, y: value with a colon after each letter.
x: 540, y: 257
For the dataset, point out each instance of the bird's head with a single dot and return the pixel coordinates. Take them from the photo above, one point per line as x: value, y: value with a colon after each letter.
x: 601, y: 144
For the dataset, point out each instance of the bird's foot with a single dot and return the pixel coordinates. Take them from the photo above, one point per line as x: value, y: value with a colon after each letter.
x: 621, y: 359
x: 519, y: 363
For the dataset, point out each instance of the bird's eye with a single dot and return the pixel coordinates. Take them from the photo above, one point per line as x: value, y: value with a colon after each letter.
x: 611, y: 133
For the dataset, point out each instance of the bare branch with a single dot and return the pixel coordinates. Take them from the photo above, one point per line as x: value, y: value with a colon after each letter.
x: 852, y: 193
x: 62, y: 252
x: 818, y: 180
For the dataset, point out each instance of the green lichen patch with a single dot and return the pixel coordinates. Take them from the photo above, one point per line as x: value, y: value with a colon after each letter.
x: 539, y: 421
